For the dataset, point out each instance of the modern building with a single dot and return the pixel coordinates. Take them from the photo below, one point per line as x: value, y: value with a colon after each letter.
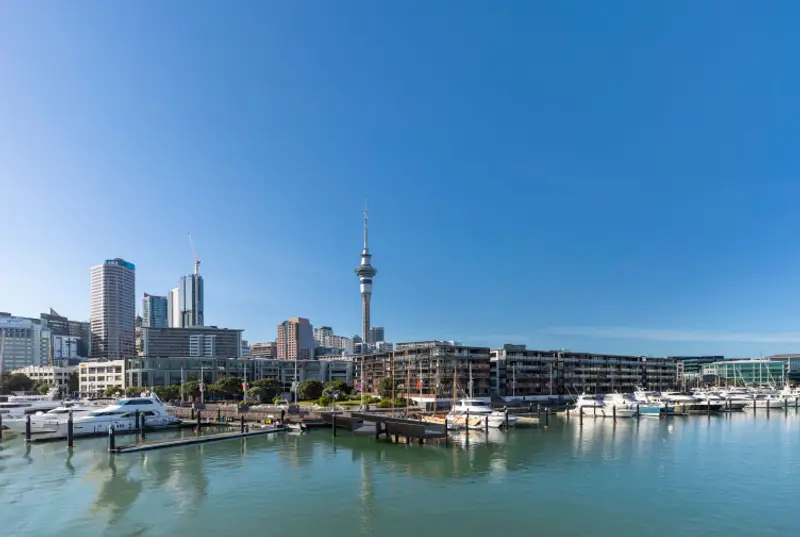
x: 322, y: 334
x: 167, y: 371
x: 427, y: 369
x: 366, y: 272
x: 376, y: 335
x: 190, y: 300
x: 245, y: 352
x: 295, y: 339
x: 155, y: 311
x: 326, y: 339
x: 266, y: 349
x: 521, y: 372
x: 792, y: 362
x: 205, y: 341
x: 65, y: 348
x: 23, y: 342
x: 56, y: 376
x: 689, y: 369
x: 173, y: 308
x: 62, y: 326
x: 113, y: 309
x: 746, y: 372
x: 95, y: 376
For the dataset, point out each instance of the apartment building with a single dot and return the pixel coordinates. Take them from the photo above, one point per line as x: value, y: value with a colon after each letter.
x: 96, y: 375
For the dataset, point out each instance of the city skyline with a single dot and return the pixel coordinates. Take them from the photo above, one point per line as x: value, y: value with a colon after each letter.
x: 616, y: 180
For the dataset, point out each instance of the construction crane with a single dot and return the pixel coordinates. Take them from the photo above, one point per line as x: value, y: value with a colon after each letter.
x: 194, y: 252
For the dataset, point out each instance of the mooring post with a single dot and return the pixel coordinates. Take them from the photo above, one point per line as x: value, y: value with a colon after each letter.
x: 546, y: 418
x: 241, y: 424
x: 377, y: 430
x: 580, y: 413
x: 198, y: 421
x: 28, y: 428
x: 396, y: 439
x: 766, y: 402
x: 785, y: 406
x: 637, y: 411
x: 69, y: 431
x: 112, y: 442
x: 505, y: 417
x: 594, y: 411
x: 136, y: 417
x: 1, y: 427
x: 754, y: 406
x: 192, y: 414
x: 467, y: 423
x: 486, y: 424
x: 142, y: 427
x: 614, y: 412
x: 539, y: 411
x: 219, y: 415
x: 796, y: 397
x: 333, y: 423
x: 708, y: 406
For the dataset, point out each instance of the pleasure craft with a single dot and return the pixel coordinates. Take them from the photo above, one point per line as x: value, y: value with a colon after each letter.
x: 688, y: 403
x: 714, y: 398
x: 47, y: 422
x: 19, y: 406
x: 619, y: 405
x: 122, y: 415
x: 588, y: 405
x: 477, y: 411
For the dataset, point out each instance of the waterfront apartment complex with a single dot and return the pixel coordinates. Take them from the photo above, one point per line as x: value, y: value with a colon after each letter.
x: 155, y: 311
x: 206, y: 341
x: 113, y: 309
x: 295, y: 339
x: 23, y: 342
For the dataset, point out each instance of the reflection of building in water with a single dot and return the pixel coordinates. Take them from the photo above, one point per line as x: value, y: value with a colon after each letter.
x: 366, y: 497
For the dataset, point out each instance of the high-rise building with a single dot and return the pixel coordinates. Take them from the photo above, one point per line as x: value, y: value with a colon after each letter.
x: 376, y: 335
x: 190, y: 299
x: 23, y: 342
x: 365, y: 272
x: 173, y: 308
x: 322, y: 334
x: 155, y: 311
x: 113, y: 309
x: 296, y: 339
x: 196, y: 341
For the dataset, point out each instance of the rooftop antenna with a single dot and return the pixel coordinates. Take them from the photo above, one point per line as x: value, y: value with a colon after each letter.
x: 194, y: 253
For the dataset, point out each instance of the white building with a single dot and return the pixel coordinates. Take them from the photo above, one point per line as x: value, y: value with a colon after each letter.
x: 54, y: 376
x: 22, y: 343
x: 173, y: 308
x: 113, y: 309
x: 95, y: 376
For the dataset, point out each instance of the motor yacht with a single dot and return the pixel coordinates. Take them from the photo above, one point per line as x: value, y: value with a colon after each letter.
x: 473, y: 414
x: 588, y: 405
x: 717, y: 398
x: 47, y: 422
x: 20, y: 405
x: 689, y: 403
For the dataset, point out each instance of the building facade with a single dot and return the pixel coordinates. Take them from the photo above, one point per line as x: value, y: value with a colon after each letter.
x: 190, y: 300
x: 205, y: 341
x: 173, y: 308
x: 155, y: 311
x: 296, y: 339
x: 23, y: 343
x: 376, y: 335
x: 113, y: 309
x: 521, y: 372
x: 266, y: 349
x: 746, y: 372
x: 65, y: 348
x: 326, y: 339
x: 792, y: 362
x: 689, y: 369
x: 95, y: 376
x: 52, y: 375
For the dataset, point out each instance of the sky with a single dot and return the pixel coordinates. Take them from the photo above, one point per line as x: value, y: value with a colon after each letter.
x: 603, y: 177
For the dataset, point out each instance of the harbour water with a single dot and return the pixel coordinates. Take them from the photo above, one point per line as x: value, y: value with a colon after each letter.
x: 732, y: 475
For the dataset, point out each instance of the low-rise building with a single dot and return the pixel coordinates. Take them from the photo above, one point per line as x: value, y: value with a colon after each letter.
x: 95, y: 376
x: 266, y: 349
x: 52, y: 375
x: 792, y: 362
x: 746, y: 372
x: 25, y: 342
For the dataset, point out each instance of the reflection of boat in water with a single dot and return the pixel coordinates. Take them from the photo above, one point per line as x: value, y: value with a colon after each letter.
x: 295, y: 427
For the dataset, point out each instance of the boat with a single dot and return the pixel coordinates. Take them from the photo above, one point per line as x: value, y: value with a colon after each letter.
x: 295, y: 427
x: 689, y: 403
x: 588, y: 405
x: 47, y: 422
x: 121, y: 414
x: 717, y: 398
x: 605, y: 406
x: 20, y: 405
x: 476, y: 414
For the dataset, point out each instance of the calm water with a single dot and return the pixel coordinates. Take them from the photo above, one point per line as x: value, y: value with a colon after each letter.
x: 736, y: 475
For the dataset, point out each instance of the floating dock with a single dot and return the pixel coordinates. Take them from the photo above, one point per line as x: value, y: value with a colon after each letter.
x: 175, y: 442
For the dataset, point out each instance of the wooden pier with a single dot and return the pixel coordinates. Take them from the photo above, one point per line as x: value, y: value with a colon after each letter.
x: 363, y: 423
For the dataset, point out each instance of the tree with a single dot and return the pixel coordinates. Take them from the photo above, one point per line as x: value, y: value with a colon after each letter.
x: 133, y: 391
x: 257, y: 393
x: 111, y: 391
x: 192, y: 389
x: 386, y: 387
x: 271, y: 388
x: 16, y: 382
x: 229, y: 387
x: 74, y: 382
x: 310, y: 389
x: 325, y: 401
x: 42, y: 387
x: 335, y: 386
x: 168, y: 393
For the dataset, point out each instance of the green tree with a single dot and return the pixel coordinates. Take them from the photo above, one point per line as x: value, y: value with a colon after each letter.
x: 276, y: 400
x: 310, y: 389
x: 325, y: 401
x: 42, y: 387
x: 335, y: 386
x: 191, y: 389
x: 133, y: 391
x: 168, y: 393
x: 228, y: 387
x: 111, y: 391
x: 271, y: 388
x: 257, y: 394
x: 16, y: 382
x: 386, y: 387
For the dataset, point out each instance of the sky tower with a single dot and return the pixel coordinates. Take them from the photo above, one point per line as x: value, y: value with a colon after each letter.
x: 365, y: 273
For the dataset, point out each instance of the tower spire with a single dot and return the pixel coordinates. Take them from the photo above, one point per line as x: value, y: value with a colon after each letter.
x: 366, y: 220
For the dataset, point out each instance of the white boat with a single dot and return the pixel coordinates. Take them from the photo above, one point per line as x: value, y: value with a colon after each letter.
x: 477, y: 414
x: 19, y: 406
x: 295, y: 427
x: 605, y: 406
x: 588, y: 405
x: 121, y: 414
x: 728, y: 403
x: 689, y: 403
x: 47, y: 422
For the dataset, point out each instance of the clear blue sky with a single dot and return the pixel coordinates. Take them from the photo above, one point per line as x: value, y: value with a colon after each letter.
x: 605, y: 177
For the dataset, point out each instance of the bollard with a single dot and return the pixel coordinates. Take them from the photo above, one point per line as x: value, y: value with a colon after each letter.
x: 28, y: 428
x: 486, y: 424
x: 241, y: 424
x: 112, y: 442
x: 219, y: 414
x: 70, y: 437
x: 198, y: 421
x: 580, y: 414
x: 708, y: 407
x: 546, y: 418
x: 614, y: 412
x: 1, y: 427
x: 637, y: 411
x: 333, y: 424
x: 505, y: 418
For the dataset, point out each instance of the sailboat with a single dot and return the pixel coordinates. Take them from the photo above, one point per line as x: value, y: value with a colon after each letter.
x: 472, y: 413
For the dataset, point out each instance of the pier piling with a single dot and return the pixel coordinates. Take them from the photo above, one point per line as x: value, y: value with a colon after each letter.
x: 614, y: 412
x: 785, y: 406
x: 594, y: 411
x: 546, y: 418
x: 112, y: 441
x: 333, y: 424
x: 637, y: 411
x: 1, y: 427
x: 505, y: 418
x: 580, y: 414
x: 708, y: 407
x: 241, y: 425
x: 198, y: 421
x: 767, y: 403
x: 486, y: 424
x: 28, y: 428
x: 142, y: 427
x: 70, y: 437
x: 219, y: 415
